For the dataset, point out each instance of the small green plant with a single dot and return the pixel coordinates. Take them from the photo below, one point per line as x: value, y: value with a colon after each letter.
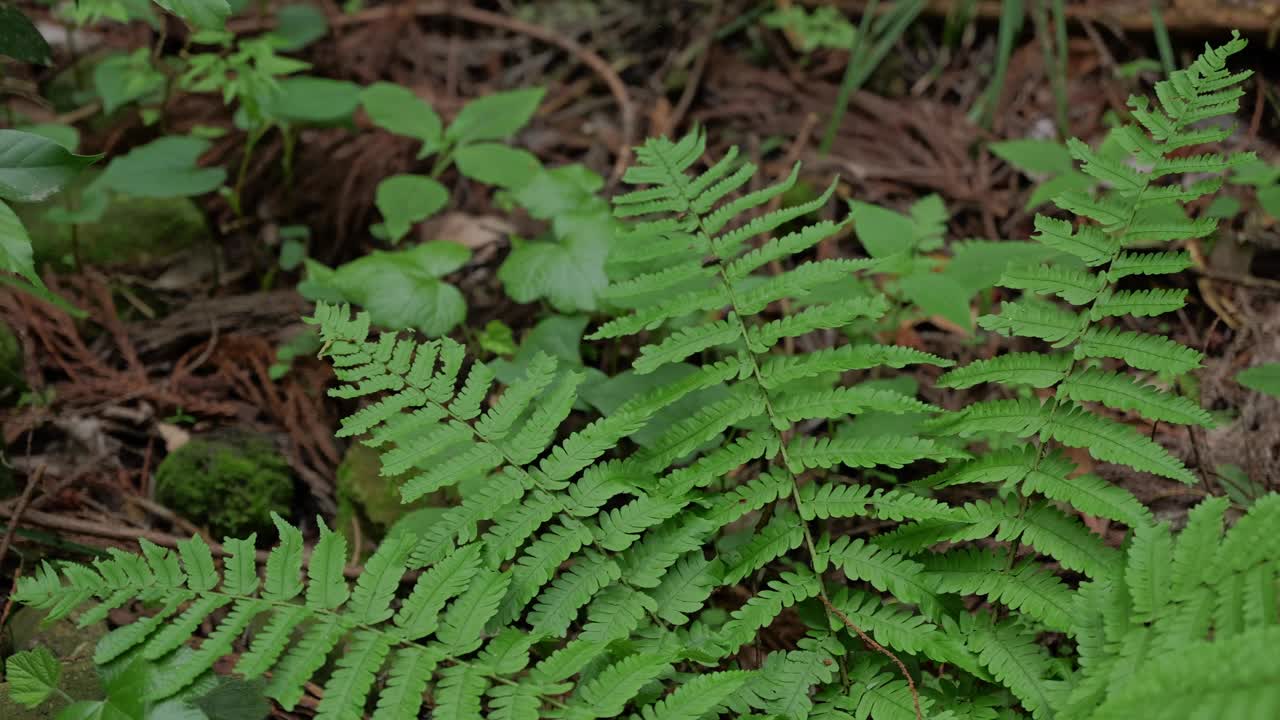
x: 470, y: 141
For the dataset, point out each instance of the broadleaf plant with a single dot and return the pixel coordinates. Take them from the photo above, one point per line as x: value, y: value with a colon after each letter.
x: 713, y: 567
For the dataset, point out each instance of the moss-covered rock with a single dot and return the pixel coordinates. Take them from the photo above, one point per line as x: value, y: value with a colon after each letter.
x: 133, y: 231
x: 230, y: 484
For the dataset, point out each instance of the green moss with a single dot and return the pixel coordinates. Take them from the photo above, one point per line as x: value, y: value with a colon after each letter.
x: 230, y: 485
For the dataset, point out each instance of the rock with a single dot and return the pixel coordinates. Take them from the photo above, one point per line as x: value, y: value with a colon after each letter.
x: 373, y: 501
x: 133, y: 231
x: 229, y: 484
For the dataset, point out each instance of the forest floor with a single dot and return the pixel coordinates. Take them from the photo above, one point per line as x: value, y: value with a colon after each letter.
x: 181, y: 348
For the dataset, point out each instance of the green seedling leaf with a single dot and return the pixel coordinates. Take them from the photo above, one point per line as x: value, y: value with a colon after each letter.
x: 93, y: 205
x: 299, y: 25
x: 33, y: 167
x: 1269, y: 200
x: 497, y: 164
x: 559, y: 336
x: 15, y: 246
x: 566, y: 267
x: 396, y: 109
x: 1035, y: 157
x: 977, y: 265
x: 1263, y: 378
x: 494, y: 117
x: 167, y: 167
x: 19, y: 38
x: 552, y: 193
x: 1072, y: 180
x: 401, y: 289
x: 202, y: 14
x: 319, y: 101
x: 405, y: 200
x: 123, y: 78
x: 882, y: 232
x: 496, y: 337
x: 937, y: 294
x: 33, y: 676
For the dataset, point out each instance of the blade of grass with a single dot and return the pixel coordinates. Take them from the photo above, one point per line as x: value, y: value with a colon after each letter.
x: 1055, y: 56
x: 1011, y: 17
x: 1161, y: 32
x: 887, y: 32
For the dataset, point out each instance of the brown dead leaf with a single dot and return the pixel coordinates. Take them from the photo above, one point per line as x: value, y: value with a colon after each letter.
x: 474, y: 231
x: 174, y: 437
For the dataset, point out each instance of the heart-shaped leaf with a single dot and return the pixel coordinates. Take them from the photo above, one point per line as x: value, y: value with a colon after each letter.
x: 497, y: 164
x: 405, y: 200
x: 396, y: 109
x: 494, y: 117
x: 167, y: 167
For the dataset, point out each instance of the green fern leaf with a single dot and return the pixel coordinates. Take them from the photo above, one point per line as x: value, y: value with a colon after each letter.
x: 346, y: 692
x: 886, y: 450
x: 418, y: 615
x: 1122, y: 392
x: 686, y: 342
x: 407, y: 678
x: 459, y: 693
x: 686, y: 587
x: 1019, y: 663
x: 326, y: 586
x: 1034, y: 369
x: 608, y: 693
x: 1139, y: 303
x: 698, y: 697
x: 1145, y: 352
x: 1156, y: 263
x: 1077, y: 287
x: 1046, y: 322
x: 1024, y: 587
x: 1088, y: 243
x: 462, y: 628
x: 886, y: 571
x: 1112, y: 442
